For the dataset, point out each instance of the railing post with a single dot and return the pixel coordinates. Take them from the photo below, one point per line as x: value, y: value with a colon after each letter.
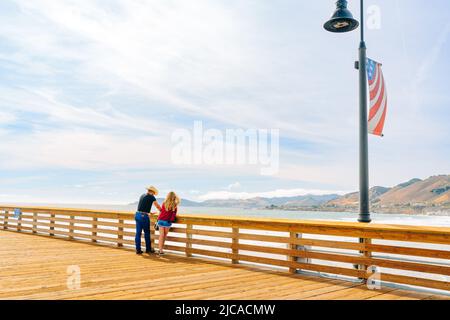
x: 292, y: 246
x: 19, y: 223
x: 295, y: 246
x: 120, y: 234
x: 188, y: 240
x: 52, y: 224
x: 34, y: 225
x: 235, y: 246
x: 71, y: 227
x: 5, y: 222
x: 94, y: 229
x: 365, y: 254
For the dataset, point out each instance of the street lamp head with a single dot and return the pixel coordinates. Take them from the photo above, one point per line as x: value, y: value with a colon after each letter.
x: 342, y: 19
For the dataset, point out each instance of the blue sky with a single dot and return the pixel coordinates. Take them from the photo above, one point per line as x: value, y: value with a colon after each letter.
x: 91, y: 91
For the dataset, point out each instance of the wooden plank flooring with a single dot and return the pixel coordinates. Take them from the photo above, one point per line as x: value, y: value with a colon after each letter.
x: 35, y: 267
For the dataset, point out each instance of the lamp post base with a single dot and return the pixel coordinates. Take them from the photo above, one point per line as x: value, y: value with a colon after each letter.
x: 364, y: 218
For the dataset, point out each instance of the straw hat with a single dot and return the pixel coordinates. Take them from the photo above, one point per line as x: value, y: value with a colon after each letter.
x: 153, y: 189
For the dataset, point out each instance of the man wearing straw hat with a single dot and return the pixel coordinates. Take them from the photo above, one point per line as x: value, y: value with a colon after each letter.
x: 142, y: 218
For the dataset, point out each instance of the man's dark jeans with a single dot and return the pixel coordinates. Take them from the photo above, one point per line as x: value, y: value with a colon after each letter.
x: 142, y: 224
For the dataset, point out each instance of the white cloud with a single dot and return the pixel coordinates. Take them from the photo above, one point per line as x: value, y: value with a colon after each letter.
x: 235, y: 185
x: 77, y: 137
x: 81, y: 149
x: 47, y: 103
x: 194, y: 57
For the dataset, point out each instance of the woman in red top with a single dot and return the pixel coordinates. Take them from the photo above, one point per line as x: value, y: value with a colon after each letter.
x: 166, y: 217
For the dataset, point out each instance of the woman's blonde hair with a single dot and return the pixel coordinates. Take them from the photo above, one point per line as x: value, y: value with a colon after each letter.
x: 172, y: 201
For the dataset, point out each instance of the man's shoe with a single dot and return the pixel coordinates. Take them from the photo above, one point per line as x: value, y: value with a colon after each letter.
x: 150, y: 251
x: 139, y: 252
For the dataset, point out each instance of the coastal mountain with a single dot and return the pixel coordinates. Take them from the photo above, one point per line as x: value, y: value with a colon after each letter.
x: 410, y: 196
x: 259, y: 202
x: 413, y: 196
x: 310, y: 201
x: 352, y: 199
x: 432, y: 191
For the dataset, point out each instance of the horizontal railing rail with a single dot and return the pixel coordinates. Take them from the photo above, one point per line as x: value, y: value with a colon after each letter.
x: 410, y: 255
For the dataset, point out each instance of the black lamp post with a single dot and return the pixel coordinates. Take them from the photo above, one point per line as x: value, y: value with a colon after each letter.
x: 343, y: 21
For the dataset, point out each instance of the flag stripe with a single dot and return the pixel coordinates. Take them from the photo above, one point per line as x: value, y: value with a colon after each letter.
x: 373, y: 123
x: 378, y: 98
x: 379, y: 128
x: 376, y: 103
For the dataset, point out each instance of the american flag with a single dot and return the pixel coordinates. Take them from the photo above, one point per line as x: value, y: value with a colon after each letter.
x: 378, y: 98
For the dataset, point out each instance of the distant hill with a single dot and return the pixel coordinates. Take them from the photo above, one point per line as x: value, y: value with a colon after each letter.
x: 258, y: 202
x: 413, y: 196
x: 434, y: 190
x: 310, y: 201
x: 352, y: 199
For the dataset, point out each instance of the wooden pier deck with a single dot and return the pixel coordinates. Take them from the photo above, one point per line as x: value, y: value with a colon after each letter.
x: 36, y: 267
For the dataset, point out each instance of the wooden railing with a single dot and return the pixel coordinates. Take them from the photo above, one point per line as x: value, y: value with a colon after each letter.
x: 411, y: 255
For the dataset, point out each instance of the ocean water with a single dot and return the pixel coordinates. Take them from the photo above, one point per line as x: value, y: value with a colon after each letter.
x: 405, y: 219
x: 426, y: 220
